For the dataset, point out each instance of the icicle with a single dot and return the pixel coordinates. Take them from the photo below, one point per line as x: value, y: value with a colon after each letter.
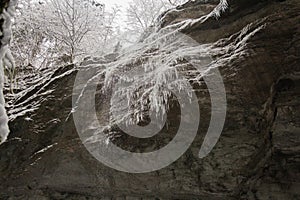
x: 5, y: 59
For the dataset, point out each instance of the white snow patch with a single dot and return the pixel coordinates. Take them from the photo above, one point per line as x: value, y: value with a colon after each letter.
x: 6, y: 59
x: 44, y: 150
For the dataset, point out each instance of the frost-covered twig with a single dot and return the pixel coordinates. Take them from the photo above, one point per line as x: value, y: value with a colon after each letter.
x: 5, y: 59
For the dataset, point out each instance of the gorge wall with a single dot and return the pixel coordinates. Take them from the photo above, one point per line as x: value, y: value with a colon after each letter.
x: 256, y: 158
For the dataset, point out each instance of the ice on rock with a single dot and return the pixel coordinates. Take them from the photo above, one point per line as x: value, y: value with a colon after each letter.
x: 5, y: 59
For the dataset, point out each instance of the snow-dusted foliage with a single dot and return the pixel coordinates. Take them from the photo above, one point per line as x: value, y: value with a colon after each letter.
x: 142, y: 79
x: 143, y: 14
x: 143, y: 76
x: 6, y: 60
x: 69, y: 22
x: 48, y: 33
x: 30, y: 47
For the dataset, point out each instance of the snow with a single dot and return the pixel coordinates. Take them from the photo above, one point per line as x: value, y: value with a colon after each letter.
x: 142, y: 78
x: 216, y: 13
x: 6, y: 59
x: 36, y: 92
x: 44, y: 150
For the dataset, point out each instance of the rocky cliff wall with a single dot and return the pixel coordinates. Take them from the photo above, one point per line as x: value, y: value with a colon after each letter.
x: 257, y: 157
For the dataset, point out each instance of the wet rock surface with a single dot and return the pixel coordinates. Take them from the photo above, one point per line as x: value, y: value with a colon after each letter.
x: 257, y: 156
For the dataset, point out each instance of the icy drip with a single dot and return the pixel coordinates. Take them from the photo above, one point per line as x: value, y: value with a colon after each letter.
x: 6, y: 59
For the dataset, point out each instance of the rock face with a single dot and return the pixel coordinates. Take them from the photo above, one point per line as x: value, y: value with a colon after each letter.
x: 256, y: 158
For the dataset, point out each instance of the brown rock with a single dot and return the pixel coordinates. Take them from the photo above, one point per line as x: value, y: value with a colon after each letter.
x: 257, y: 156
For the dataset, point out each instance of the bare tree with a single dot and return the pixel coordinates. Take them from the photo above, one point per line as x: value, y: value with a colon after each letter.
x: 71, y: 20
x: 104, y: 35
x: 141, y: 14
x: 28, y: 34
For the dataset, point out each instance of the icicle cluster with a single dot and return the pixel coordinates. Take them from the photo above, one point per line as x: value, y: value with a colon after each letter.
x: 142, y: 78
x: 162, y: 61
x: 6, y: 59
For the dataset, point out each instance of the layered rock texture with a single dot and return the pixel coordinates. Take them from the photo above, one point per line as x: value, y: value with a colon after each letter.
x: 256, y: 158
